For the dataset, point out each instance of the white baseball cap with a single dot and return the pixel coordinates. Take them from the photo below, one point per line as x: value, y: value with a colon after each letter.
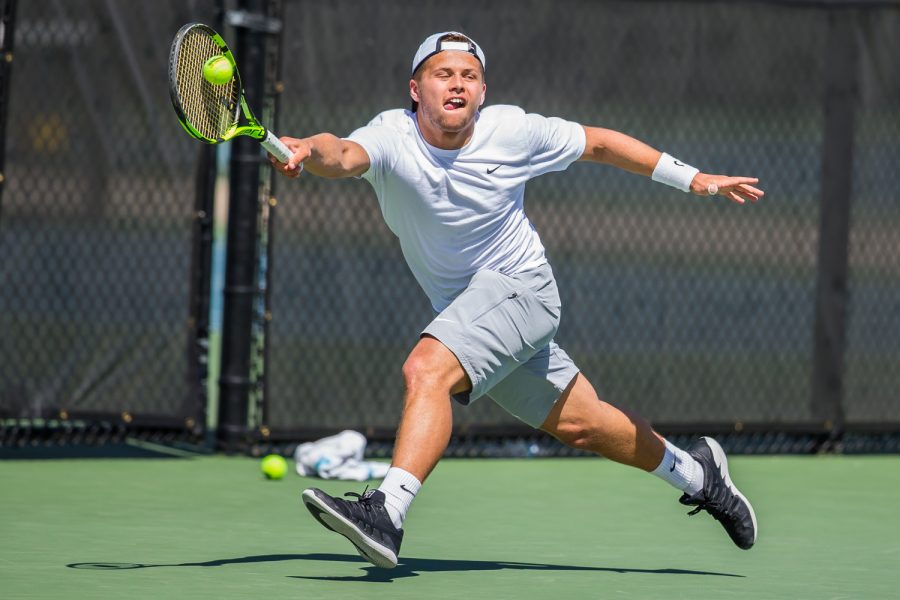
x: 433, y: 44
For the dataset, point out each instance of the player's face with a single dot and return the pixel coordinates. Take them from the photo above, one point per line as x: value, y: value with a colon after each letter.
x: 449, y: 90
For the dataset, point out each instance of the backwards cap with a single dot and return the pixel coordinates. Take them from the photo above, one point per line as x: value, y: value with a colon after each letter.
x: 433, y: 44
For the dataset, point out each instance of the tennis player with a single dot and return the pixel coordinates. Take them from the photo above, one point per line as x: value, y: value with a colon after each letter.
x: 450, y: 180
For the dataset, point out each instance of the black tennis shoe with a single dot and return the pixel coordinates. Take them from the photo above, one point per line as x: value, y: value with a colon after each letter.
x: 365, y: 522
x: 719, y: 496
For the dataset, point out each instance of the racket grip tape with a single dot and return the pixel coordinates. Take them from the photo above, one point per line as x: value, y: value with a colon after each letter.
x: 276, y: 148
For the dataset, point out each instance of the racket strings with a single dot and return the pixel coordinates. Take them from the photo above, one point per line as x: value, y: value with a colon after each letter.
x: 210, y: 109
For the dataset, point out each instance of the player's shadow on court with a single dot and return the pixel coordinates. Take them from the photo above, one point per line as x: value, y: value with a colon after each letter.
x: 413, y: 567
x: 408, y: 567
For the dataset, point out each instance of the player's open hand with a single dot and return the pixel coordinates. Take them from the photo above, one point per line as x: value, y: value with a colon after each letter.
x: 301, y: 150
x: 736, y: 189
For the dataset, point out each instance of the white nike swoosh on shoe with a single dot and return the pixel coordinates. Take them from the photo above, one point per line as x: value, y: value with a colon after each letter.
x: 368, y: 548
x: 721, y: 461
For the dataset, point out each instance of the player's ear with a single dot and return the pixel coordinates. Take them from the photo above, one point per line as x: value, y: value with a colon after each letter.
x: 483, y: 92
x: 414, y: 90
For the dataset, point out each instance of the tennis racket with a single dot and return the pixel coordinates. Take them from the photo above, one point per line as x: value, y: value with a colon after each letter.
x: 211, y: 113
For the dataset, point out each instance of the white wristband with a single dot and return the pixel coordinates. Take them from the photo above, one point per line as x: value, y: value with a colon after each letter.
x: 671, y: 171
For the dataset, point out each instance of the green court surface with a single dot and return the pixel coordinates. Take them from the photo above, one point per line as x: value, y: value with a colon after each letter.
x: 212, y: 527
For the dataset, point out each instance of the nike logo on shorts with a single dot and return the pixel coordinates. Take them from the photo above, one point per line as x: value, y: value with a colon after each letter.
x: 489, y: 171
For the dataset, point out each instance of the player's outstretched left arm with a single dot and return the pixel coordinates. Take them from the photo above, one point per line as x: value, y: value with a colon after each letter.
x: 620, y: 150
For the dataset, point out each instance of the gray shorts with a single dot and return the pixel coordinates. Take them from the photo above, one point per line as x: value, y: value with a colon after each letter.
x: 501, y: 329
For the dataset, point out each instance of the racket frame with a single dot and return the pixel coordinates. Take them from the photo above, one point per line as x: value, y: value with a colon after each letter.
x: 252, y: 129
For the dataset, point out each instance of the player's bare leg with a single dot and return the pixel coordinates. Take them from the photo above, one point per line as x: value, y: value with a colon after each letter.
x: 373, y: 522
x: 431, y: 374
x: 582, y: 420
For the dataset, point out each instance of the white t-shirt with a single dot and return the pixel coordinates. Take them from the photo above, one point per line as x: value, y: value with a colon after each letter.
x: 457, y: 212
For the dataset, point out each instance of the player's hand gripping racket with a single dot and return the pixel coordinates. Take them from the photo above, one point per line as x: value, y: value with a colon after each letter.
x: 210, y: 111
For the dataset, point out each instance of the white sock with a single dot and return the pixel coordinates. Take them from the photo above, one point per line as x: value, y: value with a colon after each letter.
x: 400, y: 488
x: 681, y: 470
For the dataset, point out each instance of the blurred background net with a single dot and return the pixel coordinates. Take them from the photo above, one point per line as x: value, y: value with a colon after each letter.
x: 96, y: 222
x: 690, y: 311
x: 684, y: 309
x: 873, y: 328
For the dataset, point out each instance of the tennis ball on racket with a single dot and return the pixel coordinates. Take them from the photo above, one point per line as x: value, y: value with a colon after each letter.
x: 217, y: 70
x: 274, y: 466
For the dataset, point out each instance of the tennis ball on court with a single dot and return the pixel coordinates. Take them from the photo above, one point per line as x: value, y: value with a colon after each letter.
x: 274, y: 466
x: 217, y: 70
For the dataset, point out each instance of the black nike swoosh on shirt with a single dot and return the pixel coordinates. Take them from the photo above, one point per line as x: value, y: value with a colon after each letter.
x: 489, y: 171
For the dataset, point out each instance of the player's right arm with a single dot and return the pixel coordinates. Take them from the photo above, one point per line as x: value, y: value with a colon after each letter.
x: 324, y: 155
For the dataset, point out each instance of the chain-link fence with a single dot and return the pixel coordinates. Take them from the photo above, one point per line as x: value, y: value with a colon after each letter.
x: 96, y: 222
x: 873, y: 335
x: 694, y: 312
x: 687, y: 310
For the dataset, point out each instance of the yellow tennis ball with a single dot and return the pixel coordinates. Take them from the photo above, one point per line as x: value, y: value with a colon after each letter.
x: 217, y: 70
x: 274, y: 466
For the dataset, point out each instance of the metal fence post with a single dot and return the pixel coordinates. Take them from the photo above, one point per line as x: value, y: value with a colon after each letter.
x: 841, y: 89
x: 241, y: 254
x: 7, y: 21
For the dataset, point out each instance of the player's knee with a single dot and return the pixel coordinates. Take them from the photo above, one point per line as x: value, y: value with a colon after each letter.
x: 419, y: 373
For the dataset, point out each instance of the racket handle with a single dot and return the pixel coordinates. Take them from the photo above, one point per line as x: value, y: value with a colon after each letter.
x: 276, y: 148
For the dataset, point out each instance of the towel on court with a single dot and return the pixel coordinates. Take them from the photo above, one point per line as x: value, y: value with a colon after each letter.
x: 338, y: 456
